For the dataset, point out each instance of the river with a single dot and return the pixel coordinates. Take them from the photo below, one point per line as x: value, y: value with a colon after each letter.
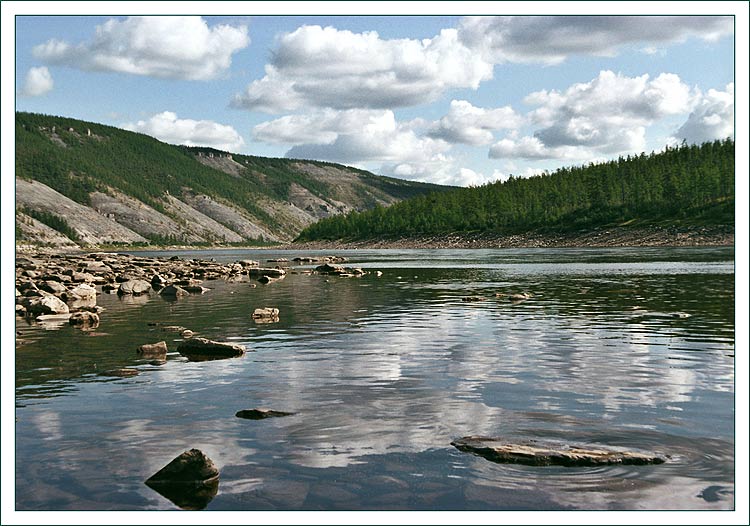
x: 615, y: 347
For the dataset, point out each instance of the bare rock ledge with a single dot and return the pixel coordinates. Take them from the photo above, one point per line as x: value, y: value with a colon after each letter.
x: 535, y: 453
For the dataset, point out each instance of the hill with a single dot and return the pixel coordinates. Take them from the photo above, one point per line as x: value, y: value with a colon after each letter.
x: 682, y: 189
x: 82, y: 183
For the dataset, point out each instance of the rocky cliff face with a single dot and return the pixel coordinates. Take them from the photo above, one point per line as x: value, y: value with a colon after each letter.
x: 85, y: 184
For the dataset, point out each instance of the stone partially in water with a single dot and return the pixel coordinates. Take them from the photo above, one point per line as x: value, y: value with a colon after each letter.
x: 266, y: 312
x: 84, y: 319
x: 136, y: 287
x: 191, y: 480
x: 173, y: 291
x: 260, y: 414
x: 121, y: 373
x: 45, y: 304
x: 535, y: 453
x: 473, y: 298
x: 199, y: 349
x: 153, y: 350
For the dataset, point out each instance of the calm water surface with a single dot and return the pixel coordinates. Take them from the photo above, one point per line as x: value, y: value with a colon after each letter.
x: 383, y: 373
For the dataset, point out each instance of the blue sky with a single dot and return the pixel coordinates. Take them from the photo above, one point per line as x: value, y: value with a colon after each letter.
x: 446, y: 99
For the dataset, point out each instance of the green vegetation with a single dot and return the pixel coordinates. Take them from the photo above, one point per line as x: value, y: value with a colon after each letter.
x: 76, y: 158
x: 682, y: 185
x: 53, y: 221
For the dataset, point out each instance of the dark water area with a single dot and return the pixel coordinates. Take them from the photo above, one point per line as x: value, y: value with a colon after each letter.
x: 616, y: 347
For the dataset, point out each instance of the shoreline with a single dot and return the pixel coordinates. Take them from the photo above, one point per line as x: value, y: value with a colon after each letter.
x: 603, y: 237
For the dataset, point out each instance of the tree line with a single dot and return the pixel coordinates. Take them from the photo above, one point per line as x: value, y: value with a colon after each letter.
x: 686, y: 182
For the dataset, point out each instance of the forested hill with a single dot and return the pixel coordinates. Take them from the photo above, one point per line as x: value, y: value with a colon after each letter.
x: 88, y: 184
x: 683, y: 185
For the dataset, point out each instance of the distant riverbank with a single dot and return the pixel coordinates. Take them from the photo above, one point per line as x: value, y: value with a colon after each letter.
x: 652, y: 236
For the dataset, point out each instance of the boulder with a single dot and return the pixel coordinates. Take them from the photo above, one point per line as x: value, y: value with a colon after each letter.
x: 97, y: 267
x: 84, y: 319
x: 534, y: 453
x: 260, y: 414
x: 173, y: 291
x: 270, y: 272
x: 191, y: 480
x: 83, y: 292
x: 153, y: 350
x: 157, y: 281
x: 328, y: 268
x: 198, y: 349
x: 136, y: 287
x: 54, y: 287
x: 266, y: 312
x: 45, y: 304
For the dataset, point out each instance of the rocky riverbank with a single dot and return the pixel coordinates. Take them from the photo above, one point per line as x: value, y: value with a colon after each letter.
x: 653, y: 236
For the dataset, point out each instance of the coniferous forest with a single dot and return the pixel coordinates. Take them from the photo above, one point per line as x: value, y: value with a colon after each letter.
x: 690, y: 184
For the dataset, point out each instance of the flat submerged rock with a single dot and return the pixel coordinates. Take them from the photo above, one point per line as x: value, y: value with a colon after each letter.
x: 535, y: 453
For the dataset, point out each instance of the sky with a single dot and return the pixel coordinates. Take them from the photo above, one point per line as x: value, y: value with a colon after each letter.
x: 460, y: 100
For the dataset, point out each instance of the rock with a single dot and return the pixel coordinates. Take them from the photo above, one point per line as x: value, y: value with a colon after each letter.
x: 473, y: 298
x: 121, y: 373
x: 279, y: 260
x: 191, y: 480
x: 536, y: 453
x: 198, y: 349
x: 45, y: 304
x: 270, y: 272
x: 173, y: 291
x: 136, y: 287
x: 265, y: 280
x: 265, y: 312
x: 97, y: 267
x: 173, y: 328
x: 158, y: 281
x: 260, y: 414
x: 378, y: 273
x: 109, y: 287
x: 248, y: 263
x: 54, y: 287
x: 153, y: 350
x: 328, y: 268
x: 261, y: 321
x: 519, y: 297
x: 84, y: 319
x: 187, y: 333
x: 20, y: 310
x: 83, y: 292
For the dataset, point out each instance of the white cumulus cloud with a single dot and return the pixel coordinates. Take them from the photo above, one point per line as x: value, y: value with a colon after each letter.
x: 603, y: 117
x: 327, y: 67
x: 166, y: 127
x: 175, y: 47
x: 38, y: 82
x: 712, y: 118
x: 551, y: 39
x: 468, y: 124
